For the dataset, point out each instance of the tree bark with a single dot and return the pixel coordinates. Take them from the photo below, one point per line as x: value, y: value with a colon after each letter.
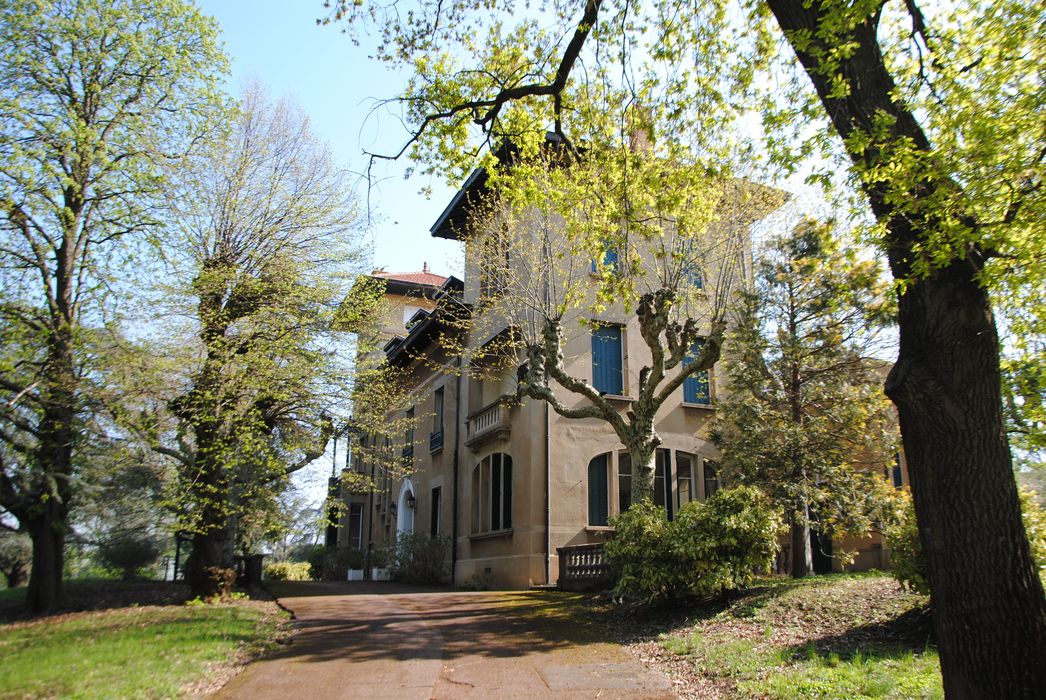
x: 988, y: 604
x: 45, y: 580
x: 45, y: 518
x: 642, y: 472
x: 802, y: 560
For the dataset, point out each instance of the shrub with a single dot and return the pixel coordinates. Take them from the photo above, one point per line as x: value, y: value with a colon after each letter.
x: 316, y: 556
x: 129, y: 554
x: 16, y: 553
x: 289, y: 571
x: 222, y: 580
x: 906, y: 554
x: 709, y: 548
x: 338, y: 561
x: 420, y: 558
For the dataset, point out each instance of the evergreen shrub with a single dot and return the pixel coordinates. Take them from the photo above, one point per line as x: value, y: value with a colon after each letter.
x: 708, y: 549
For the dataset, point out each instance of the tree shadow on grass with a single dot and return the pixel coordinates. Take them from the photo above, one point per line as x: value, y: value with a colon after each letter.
x: 97, y: 594
x: 908, y: 633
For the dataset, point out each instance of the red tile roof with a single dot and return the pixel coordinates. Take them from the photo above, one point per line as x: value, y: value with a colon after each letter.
x: 424, y: 277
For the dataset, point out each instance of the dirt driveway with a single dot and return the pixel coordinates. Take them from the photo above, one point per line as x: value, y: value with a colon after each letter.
x: 365, y: 640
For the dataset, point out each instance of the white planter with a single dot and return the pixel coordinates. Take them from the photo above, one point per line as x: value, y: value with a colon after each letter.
x: 377, y: 574
x: 355, y: 574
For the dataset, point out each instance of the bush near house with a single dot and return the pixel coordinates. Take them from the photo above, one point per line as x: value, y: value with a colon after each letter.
x: 338, y: 561
x: 289, y: 571
x: 420, y: 558
x: 709, y: 548
x: 906, y: 554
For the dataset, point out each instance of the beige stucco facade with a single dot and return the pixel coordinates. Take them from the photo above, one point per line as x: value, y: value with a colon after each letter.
x: 509, y: 482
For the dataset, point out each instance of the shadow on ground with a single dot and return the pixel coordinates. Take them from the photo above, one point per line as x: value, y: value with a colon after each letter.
x: 386, y: 621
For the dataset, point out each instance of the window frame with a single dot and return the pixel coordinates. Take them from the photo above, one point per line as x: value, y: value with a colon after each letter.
x: 599, y: 509
x: 717, y: 479
x: 492, y: 484
x: 692, y: 384
x: 598, y: 341
x: 691, y: 490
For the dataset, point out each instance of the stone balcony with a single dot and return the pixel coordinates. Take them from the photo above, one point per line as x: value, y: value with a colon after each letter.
x: 489, y: 422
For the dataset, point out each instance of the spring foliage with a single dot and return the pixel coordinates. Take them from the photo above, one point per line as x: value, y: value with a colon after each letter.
x: 709, y: 547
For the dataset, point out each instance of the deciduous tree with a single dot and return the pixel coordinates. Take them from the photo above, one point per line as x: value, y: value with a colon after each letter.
x: 938, y: 116
x: 260, y: 246
x: 96, y: 98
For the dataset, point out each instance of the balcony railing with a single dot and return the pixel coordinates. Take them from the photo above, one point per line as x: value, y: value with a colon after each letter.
x: 436, y: 441
x: 490, y: 421
x: 583, y: 567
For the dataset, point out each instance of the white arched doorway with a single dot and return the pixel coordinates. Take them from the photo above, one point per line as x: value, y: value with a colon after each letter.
x: 405, y: 508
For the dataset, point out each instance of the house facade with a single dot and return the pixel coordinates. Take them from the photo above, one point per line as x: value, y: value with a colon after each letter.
x: 511, y: 484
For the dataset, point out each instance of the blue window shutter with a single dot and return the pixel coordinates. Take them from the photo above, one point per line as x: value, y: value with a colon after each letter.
x: 609, y: 258
x: 606, y: 360
x: 693, y: 276
x: 696, y: 387
x: 598, y: 496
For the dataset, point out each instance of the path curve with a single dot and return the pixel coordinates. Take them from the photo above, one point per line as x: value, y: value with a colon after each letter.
x: 367, y: 640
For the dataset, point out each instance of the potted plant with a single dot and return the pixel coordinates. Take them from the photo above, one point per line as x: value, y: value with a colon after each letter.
x: 379, y: 564
x: 354, y: 559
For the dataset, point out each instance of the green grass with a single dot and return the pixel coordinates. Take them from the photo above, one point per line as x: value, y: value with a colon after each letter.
x: 839, y: 636
x: 880, y: 674
x: 148, y: 652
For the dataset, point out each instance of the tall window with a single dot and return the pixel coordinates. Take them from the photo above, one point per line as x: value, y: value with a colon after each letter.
x: 896, y: 473
x: 436, y: 438
x: 663, y: 481
x: 696, y: 387
x: 435, y: 512
x: 607, y: 365
x: 492, y: 494
x: 624, y: 481
x: 711, y: 478
x: 355, y: 525
x: 684, y: 479
x: 598, y: 490
x: 494, y: 263
x: 408, y: 440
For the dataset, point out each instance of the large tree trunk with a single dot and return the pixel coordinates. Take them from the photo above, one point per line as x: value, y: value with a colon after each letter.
x: 45, y: 579
x: 208, y: 567
x: 46, y: 517
x: 988, y: 603
x: 989, y: 609
x: 802, y: 560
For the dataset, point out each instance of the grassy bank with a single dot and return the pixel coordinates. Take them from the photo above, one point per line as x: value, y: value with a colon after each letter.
x: 142, y: 652
x: 823, y: 637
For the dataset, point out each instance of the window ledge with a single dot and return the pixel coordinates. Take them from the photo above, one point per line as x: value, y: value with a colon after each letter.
x: 701, y: 406
x: 599, y: 528
x: 618, y: 397
x: 491, y: 535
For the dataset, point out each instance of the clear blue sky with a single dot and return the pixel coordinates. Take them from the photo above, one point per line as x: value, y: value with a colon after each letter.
x: 278, y: 43
x: 336, y: 84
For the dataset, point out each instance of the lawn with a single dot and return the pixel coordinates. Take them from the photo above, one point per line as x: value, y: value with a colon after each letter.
x: 839, y: 636
x: 134, y: 652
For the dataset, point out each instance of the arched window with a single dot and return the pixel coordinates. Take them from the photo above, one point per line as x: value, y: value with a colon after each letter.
x: 711, y: 477
x: 598, y: 490
x: 492, y: 494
